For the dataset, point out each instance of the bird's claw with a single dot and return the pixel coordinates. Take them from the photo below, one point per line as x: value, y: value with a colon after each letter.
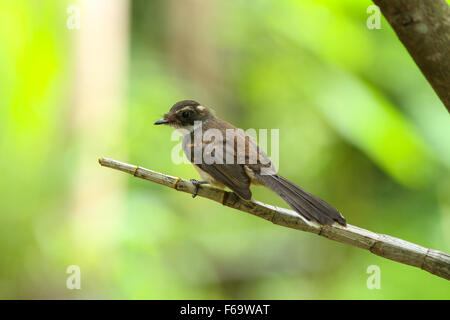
x: 197, y: 184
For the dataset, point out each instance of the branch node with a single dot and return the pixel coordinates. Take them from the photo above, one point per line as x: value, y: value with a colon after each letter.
x: 320, y: 231
x: 176, y: 183
x: 224, y: 198
x: 424, y: 258
x: 372, y: 246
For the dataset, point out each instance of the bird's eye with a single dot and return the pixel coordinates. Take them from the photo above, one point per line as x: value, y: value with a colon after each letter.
x: 186, y: 114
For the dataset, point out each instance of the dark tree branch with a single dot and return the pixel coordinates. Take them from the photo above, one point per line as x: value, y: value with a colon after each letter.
x: 423, y: 26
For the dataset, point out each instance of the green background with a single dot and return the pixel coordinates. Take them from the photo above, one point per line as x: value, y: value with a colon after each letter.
x: 359, y: 126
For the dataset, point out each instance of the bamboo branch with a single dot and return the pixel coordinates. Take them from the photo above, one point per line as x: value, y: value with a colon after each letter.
x: 423, y: 26
x: 433, y: 261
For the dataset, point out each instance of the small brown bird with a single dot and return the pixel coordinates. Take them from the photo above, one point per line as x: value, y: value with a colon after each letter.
x: 225, y: 156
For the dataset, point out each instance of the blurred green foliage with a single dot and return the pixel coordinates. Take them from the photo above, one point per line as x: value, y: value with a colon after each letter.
x: 359, y: 126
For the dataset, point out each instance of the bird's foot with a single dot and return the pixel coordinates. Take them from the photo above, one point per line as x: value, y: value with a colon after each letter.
x: 197, y: 184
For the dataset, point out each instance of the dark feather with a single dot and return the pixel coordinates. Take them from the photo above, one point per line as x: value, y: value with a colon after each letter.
x: 309, y: 206
x: 233, y: 176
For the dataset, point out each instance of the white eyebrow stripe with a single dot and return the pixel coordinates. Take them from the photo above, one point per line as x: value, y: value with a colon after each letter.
x: 185, y: 108
x: 201, y: 108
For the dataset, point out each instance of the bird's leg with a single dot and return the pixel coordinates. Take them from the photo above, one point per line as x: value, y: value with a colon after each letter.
x: 197, y: 184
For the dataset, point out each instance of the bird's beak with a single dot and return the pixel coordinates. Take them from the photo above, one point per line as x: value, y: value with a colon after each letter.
x: 162, y: 121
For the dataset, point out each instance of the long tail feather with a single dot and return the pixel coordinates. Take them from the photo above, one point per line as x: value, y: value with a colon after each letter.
x: 307, y: 205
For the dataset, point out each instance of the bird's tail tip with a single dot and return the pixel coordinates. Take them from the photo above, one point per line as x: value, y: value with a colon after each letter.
x: 307, y: 205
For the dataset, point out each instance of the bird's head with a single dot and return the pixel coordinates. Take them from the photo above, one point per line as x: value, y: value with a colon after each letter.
x: 185, y: 113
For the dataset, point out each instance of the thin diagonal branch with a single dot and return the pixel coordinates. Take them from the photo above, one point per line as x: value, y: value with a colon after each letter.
x: 433, y: 261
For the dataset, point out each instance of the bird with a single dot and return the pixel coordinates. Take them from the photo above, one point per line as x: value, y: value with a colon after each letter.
x: 225, y: 156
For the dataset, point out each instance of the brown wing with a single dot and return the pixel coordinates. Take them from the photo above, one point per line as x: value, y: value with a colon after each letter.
x: 244, y: 150
x: 210, y: 154
x: 223, y: 151
x: 233, y: 176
